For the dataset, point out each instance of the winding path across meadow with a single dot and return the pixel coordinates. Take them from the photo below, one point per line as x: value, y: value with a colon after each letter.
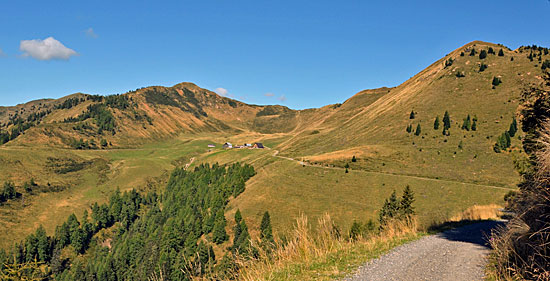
x: 457, y: 254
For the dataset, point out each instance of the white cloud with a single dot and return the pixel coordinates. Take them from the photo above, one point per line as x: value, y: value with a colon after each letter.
x: 47, y: 49
x: 281, y: 98
x: 90, y: 33
x: 222, y: 92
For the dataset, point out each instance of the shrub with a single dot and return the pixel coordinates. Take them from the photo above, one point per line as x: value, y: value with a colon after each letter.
x: 449, y: 62
x: 496, y: 81
x: 482, y: 67
x: 500, y: 53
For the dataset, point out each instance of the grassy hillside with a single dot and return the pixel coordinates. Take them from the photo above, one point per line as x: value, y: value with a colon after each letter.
x: 158, y: 128
x: 377, y: 133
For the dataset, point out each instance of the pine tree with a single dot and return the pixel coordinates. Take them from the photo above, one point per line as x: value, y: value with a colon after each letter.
x: 446, y: 121
x: 407, y: 200
x: 483, y: 54
x: 466, y: 125
x: 418, y: 130
x: 436, y: 123
x: 513, y: 128
x: 460, y: 145
x: 237, y: 228
x: 219, y: 235
x: 353, y: 159
x: 491, y: 51
x: 472, y: 52
x: 412, y: 115
x: 43, y: 245
x: 409, y: 128
x: 266, y: 233
x: 390, y: 209
x: 474, y: 125
x: 500, y: 53
x: 507, y: 139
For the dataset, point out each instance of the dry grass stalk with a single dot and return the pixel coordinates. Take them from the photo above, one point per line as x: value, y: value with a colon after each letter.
x: 307, y: 245
x: 479, y: 212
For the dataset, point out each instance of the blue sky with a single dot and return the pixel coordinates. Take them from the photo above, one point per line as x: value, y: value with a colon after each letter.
x: 297, y: 53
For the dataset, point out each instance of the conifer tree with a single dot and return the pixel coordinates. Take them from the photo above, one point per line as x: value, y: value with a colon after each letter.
x: 407, y: 200
x: 491, y: 51
x: 483, y: 54
x: 418, y: 130
x: 266, y: 233
x: 411, y: 116
x: 353, y: 159
x: 219, y: 235
x: 472, y: 52
x: 466, y: 125
x: 513, y: 128
x: 436, y: 123
x: 500, y: 53
x: 43, y: 245
x: 446, y: 121
x: 409, y: 128
x: 390, y: 209
x: 474, y: 125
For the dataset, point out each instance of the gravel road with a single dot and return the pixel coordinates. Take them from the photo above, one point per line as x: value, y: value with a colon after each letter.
x: 458, y: 254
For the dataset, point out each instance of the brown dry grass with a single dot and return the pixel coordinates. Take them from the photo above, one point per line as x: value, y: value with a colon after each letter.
x: 476, y: 212
x: 307, y: 247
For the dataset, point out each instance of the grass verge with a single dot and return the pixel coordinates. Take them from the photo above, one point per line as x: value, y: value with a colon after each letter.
x: 324, y: 254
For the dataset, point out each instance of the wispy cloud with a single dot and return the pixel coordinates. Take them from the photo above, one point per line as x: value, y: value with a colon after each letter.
x: 47, y: 49
x: 91, y: 33
x: 281, y: 98
x: 221, y: 92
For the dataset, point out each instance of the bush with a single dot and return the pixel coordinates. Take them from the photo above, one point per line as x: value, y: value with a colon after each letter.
x: 449, y: 62
x: 496, y: 81
x: 482, y: 67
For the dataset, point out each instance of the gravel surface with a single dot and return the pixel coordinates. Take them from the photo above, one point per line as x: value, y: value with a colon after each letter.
x: 458, y: 254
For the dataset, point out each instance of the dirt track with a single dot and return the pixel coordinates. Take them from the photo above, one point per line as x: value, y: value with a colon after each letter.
x: 458, y: 254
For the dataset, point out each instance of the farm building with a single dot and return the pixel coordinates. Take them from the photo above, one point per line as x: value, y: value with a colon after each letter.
x: 211, y: 145
x: 227, y: 145
x: 258, y: 145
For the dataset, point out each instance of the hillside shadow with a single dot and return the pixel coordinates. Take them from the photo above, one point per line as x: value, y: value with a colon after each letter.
x: 475, y: 232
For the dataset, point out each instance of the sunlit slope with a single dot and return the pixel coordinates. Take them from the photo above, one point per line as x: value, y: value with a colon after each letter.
x: 377, y: 132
